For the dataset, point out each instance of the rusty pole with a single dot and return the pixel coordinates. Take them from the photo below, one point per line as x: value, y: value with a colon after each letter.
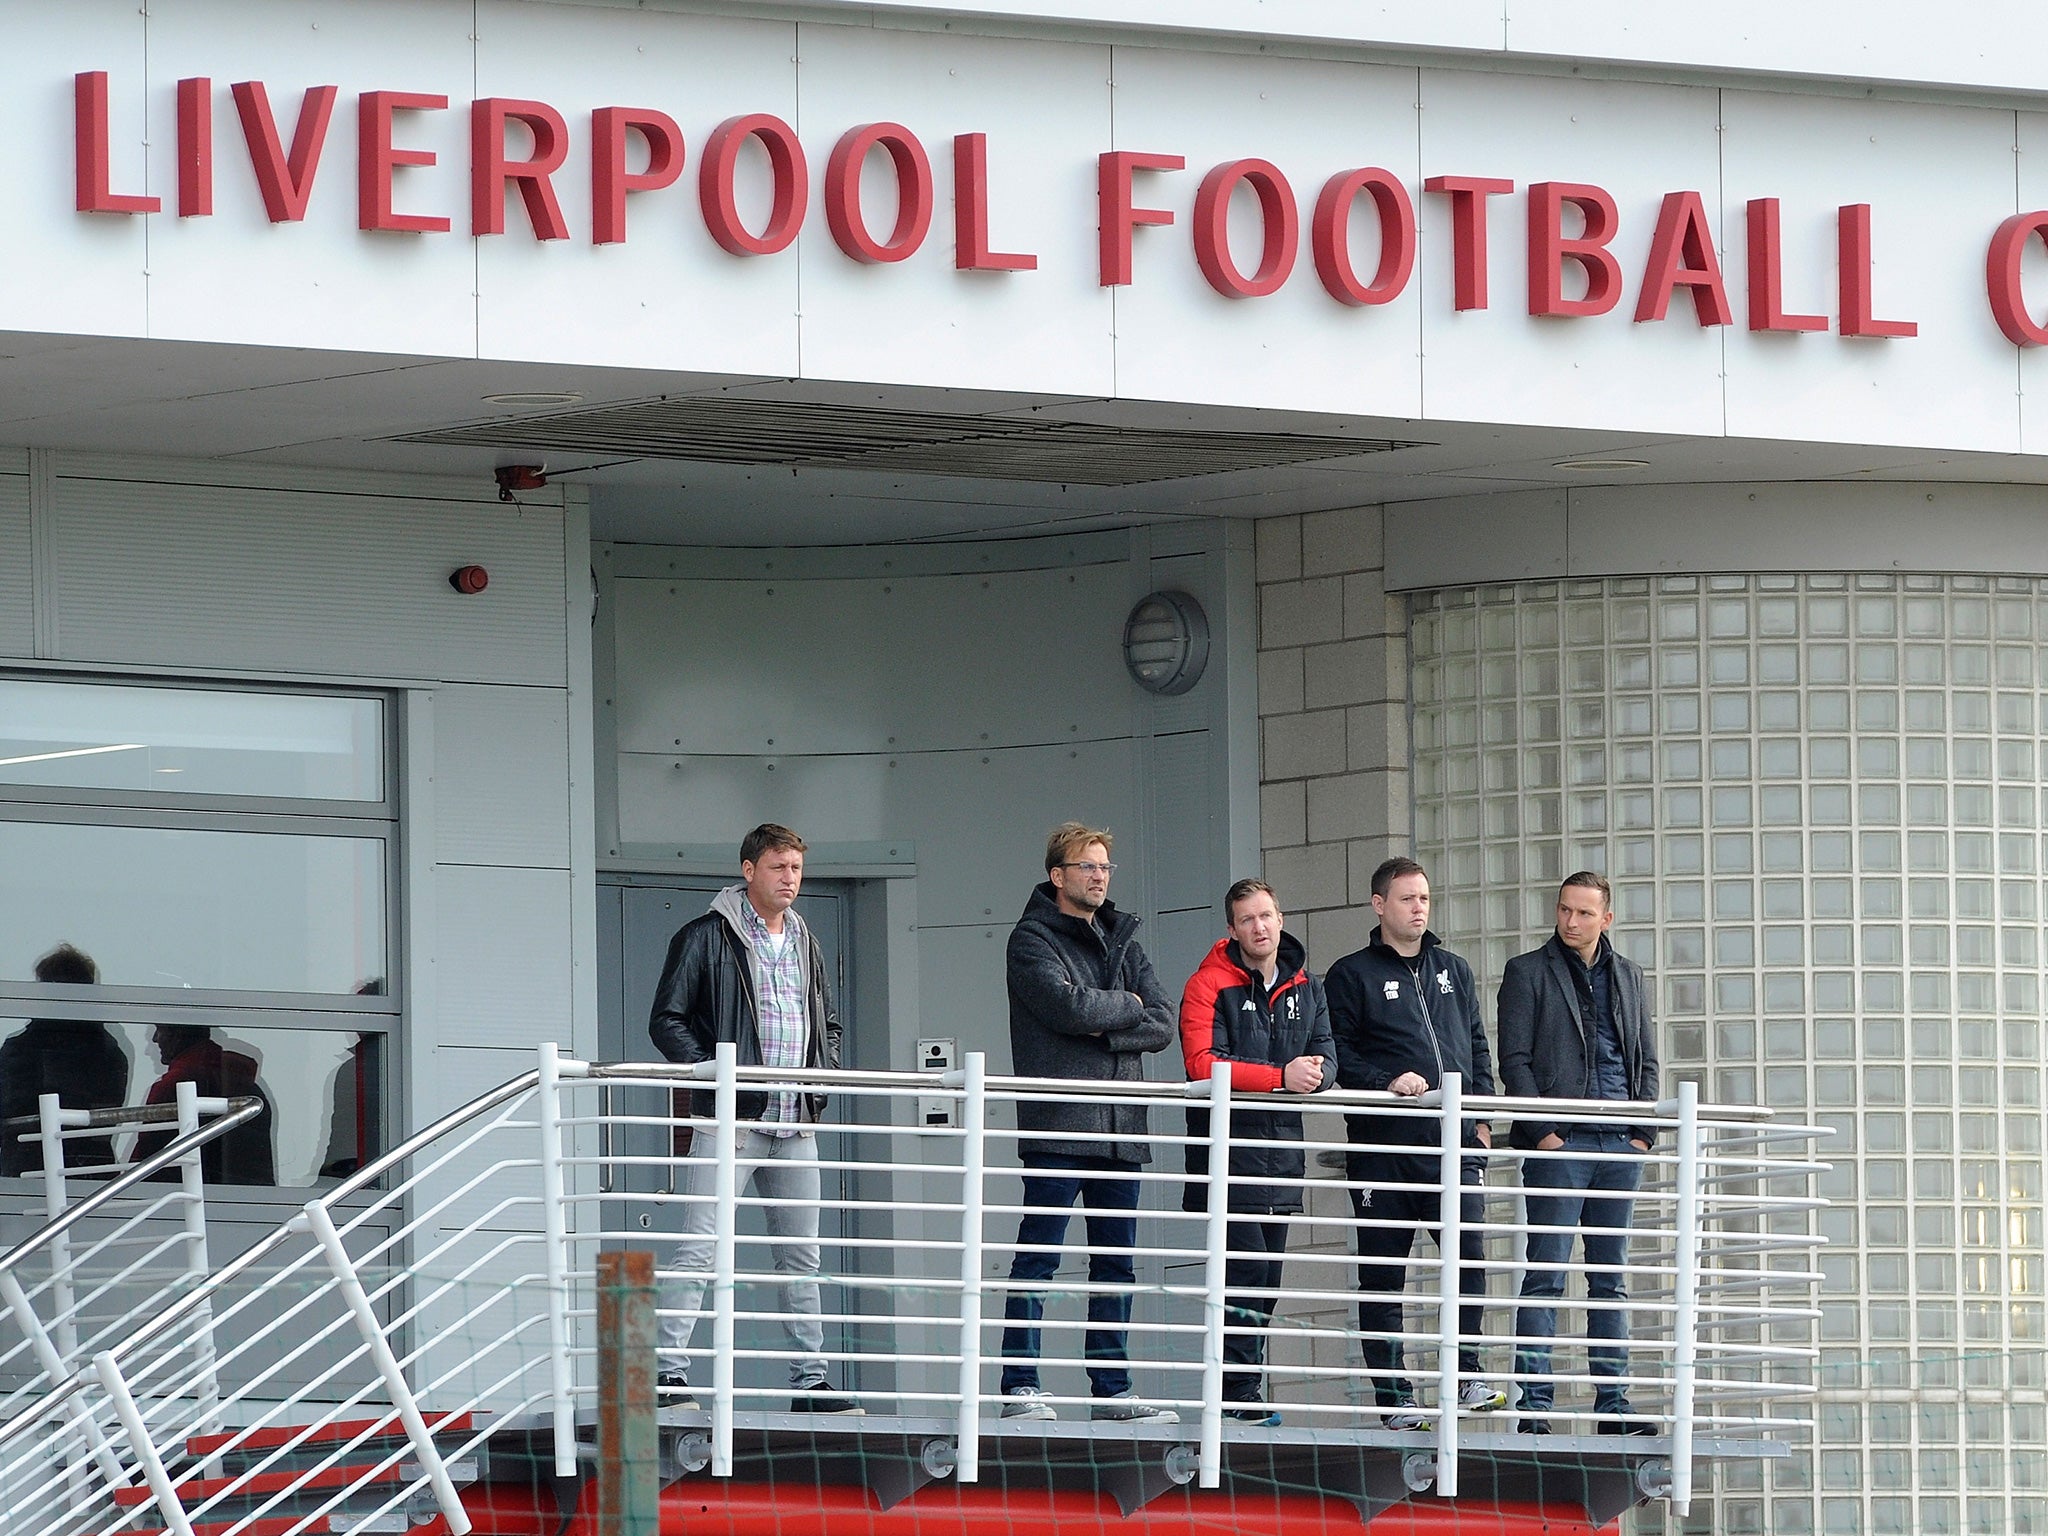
x: 628, y: 1440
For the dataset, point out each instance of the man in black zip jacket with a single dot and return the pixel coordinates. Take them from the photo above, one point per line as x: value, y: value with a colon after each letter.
x: 1405, y: 1011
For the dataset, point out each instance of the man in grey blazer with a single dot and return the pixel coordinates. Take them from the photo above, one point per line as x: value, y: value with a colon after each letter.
x: 1574, y: 1022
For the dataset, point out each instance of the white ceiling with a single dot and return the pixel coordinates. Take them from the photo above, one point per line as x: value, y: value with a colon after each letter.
x: 338, y: 410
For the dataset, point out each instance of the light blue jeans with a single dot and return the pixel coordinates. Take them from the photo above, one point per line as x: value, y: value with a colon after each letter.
x: 780, y: 1168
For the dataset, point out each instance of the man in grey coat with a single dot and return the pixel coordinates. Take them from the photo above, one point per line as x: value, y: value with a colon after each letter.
x: 1575, y: 1024
x: 1083, y: 1004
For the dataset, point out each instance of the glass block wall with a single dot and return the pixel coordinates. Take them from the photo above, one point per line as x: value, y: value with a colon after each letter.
x: 1820, y: 801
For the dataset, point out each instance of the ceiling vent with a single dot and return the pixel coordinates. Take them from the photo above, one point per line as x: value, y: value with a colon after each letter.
x: 730, y: 429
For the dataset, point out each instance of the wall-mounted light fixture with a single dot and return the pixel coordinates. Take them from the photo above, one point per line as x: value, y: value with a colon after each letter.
x: 1166, y: 642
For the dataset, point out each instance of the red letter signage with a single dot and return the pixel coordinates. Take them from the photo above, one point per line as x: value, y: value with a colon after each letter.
x: 1767, y: 275
x: 1550, y: 248
x: 489, y: 169
x: 1277, y: 213
x: 610, y: 181
x: 195, y: 147
x: 94, y: 174
x: 378, y: 161
x: 792, y: 179
x: 284, y: 183
x: 1113, y: 176
x: 1468, y: 195
x: 970, y: 212
x: 2002, y: 278
x: 913, y: 192
x: 1330, y: 236
x: 1682, y: 256
x: 1853, y: 243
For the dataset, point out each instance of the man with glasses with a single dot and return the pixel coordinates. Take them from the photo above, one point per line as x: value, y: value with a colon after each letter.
x: 1083, y: 1004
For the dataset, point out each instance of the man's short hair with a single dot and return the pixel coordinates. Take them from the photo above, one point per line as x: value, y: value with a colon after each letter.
x: 767, y: 838
x: 1245, y: 890
x: 1396, y: 868
x: 1591, y: 882
x: 69, y: 963
x: 1069, y: 838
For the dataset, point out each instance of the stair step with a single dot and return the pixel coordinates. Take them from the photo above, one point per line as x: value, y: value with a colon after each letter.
x: 268, y: 1526
x: 271, y: 1436
x: 193, y: 1489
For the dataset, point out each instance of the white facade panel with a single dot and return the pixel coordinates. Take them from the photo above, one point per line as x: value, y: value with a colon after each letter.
x: 326, y: 585
x: 82, y: 273
x: 2031, y: 136
x: 320, y: 281
x: 872, y: 664
x: 978, y: 819
x: 503, y: 972
x: 1178, y: 338
x: 1637, y: 142
x: 1951, y: 385
x: 1045, y: 109
x: 17, y: 571
x: 501, y: 776
x: 641, y: 302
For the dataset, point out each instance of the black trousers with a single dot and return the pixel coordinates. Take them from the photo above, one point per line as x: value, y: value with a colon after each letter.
x: 1251, y: 1284
x: 1383, y: 1258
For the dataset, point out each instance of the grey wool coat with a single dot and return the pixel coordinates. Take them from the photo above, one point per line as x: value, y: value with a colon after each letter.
x: 1083, y: 1004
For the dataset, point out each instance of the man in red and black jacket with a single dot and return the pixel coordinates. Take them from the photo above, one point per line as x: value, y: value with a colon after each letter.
x: 1253, y: 1003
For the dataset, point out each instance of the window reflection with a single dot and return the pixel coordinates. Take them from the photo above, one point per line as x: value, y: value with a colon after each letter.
x: 125, y: 737
x: 78, y: 1060
x: 321, y: 1090
x: 185, y: 908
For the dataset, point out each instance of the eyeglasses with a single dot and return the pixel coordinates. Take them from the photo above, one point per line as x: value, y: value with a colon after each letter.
x: 1091, y: 869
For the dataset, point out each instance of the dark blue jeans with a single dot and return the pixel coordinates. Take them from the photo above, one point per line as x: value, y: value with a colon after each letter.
x: 1109, y: 1194
x: 1593, y: 1195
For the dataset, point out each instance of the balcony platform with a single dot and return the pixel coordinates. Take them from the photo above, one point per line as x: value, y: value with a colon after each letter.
x: 893, y: 1456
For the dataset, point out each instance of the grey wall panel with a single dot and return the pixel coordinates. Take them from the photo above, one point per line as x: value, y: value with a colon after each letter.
x: 1184, y: 808
x: 978, y: 819
x: 220, y: 576
x: 1631, y: 530
x: 501, y: 776
x: 503, y: 972
x: 962, y: 996
x: 1177, y: 941
x: 17, y: 604
x: 1516, y: 536
x: 460, y: 1074
x: 910, y: 663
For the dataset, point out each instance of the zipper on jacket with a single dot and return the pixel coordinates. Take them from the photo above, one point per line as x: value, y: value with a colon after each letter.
x: 1428, y: 1018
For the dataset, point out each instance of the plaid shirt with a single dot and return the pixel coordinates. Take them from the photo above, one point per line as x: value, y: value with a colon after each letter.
x: 784, y: 1019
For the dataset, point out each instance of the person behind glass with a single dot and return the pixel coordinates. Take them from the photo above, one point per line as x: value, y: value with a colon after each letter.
x: 79, y: 1060
x: 1575, y: 1024
x: 1405, y: 1011
x: 750, y: 972
x: 1083, y: 1004
x: 190, y: 1054
x: 1254, y: 1004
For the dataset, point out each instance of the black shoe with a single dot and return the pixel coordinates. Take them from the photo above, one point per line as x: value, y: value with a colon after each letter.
x: 672, y: 1390
x: 1628, y: 1423
x: 1252, y: 1411
x: 1533, y: 1427
x: 819, y: 1398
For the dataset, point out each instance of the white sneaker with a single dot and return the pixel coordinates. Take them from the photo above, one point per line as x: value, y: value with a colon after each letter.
x: 1481, y: 1397
x: 1126, y: 1409
x: 1405, y: 1416
x: 1027, y: 1403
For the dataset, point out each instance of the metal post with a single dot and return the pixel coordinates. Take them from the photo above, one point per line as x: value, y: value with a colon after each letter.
x: 1450, y: 1271
x: 57, y: 1370
x: 198, y: 1262
x: 1214, y: 1301
x: 56, y: 1196
x: 628, y: 1432
x: 554, y: 1216
x: 168, y: 1504
x: 388, y: 1368
x: 725, y: 1253
x: 1686, y: 1318
x: 973, y: 1251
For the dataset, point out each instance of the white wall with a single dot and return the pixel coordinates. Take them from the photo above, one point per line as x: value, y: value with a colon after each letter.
x: 928, y: 714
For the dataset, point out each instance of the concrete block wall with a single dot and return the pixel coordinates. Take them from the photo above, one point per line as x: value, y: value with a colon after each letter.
x: 1333, y: 721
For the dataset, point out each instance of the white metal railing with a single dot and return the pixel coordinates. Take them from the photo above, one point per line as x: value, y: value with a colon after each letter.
x: 446, y: 1291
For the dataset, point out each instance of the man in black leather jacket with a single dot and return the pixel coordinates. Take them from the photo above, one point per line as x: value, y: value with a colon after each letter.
x: 749, y: 971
